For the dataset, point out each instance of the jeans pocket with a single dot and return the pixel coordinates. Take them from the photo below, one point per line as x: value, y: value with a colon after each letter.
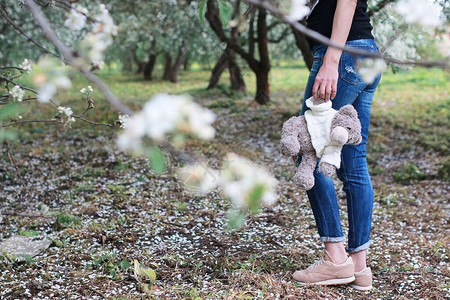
x: 348, y: 71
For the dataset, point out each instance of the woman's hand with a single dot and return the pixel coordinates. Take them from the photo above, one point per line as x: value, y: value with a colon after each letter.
x: 325, y: 85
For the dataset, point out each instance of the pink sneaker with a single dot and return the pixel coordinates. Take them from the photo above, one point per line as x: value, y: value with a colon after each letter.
x: 363, y: 280
x: 326, y: 272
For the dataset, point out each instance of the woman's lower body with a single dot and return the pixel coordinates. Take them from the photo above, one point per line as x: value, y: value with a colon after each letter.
x: 351, y: 89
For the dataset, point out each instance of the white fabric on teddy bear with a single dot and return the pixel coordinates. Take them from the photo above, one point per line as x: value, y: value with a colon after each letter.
x: 318, y: 120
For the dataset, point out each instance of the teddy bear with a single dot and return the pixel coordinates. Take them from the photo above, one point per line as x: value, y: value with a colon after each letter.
x: 319, y: 134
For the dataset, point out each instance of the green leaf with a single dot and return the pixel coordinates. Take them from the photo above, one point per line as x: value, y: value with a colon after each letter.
x: 27, y: 257
x: 225, y: 11
x: 255, y: 198
x: 148, y: 272
x: 28, y: 233
x: 125, y: 264
x: 236, y: 219
x: 136, y: 269
x: 9, y: 135
x: 201, y: 11
x: 157, y: 160
x: 9, y: 111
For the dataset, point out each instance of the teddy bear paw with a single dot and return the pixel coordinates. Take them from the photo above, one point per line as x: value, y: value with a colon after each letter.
x: 327, y: 169
x: 305, y: 183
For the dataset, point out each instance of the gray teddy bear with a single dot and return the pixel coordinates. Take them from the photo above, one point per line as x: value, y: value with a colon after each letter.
x: 320, y: 133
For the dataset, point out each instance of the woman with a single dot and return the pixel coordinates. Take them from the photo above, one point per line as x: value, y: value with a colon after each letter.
x: 334, y: 77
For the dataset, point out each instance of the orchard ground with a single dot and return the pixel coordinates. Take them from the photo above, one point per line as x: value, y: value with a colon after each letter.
x: 111, y: 209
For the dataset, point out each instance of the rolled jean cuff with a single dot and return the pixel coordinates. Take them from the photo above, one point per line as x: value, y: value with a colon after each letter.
x: 332, y: 239
x: 360, y: 248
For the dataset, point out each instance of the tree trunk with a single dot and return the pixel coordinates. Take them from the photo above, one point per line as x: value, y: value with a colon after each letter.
x: 303, y: 46
x: 167, y: 66
x: 173, y: 74
x: 262, y: 87
x: 150, y: 65
x: 140, y: 68
x: 262, y: 72
x: 236, y: 79
x: 228, y: 60
x: 140, y: 64
x: 186, y: 64
x: 220, y: 66
x: 261, y: 68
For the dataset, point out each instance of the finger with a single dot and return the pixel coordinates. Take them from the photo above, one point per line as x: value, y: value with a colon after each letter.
x: 315, y: 89
x: 327, y: 92
x: 334, y: 90
x: 322, y: 92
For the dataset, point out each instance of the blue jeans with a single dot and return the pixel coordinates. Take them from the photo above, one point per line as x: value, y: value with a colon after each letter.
x: 351, y: 89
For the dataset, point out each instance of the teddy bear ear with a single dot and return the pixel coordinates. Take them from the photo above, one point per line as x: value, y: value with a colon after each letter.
x: 349, y: 110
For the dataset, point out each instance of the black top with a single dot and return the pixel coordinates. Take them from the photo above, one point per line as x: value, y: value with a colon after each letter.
x: 321, y: 20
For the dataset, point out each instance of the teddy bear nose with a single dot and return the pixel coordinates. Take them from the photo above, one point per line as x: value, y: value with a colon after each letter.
x: 339, y: 135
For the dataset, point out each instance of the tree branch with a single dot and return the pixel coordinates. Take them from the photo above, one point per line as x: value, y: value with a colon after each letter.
x: 251, y: 34
x: 380, y: 5
x: 397, y: 33
x: 280, y: 38
x: 16, y: 27
x: 273, y: 25
x: 17, y: 68
x: 30, y: 121
x: 213, y: 17
x: 73, y: 60
x: 21, y: 86
x: 91, y: 122
x: 266, y: 4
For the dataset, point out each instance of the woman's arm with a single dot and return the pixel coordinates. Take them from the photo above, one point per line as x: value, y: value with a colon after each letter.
x: 325, y: 85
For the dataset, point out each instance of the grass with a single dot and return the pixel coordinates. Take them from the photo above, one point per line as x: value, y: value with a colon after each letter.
x: 111, y: 209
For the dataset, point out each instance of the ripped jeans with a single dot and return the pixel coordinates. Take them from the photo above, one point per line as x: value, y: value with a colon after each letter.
x: 351, y: 89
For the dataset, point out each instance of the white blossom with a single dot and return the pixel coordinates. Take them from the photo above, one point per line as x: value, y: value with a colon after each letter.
x: 105, y: 23
x: 240, y: 179
x: 164, y: 115
x: 199, y: 178
x: 96, y: 42
x: 46, y: 92
x: 17, y: 93
x: 369, y: 68
x: 94, y: 46
x: 87, y: 91
x: 26, y: 66
x: 66, y: 110
x: 62, y: 82
x: 123, y: 120
x: 76, y: 19
x: 299, y: 10
x: 131, y: 138
x: 403, y: 47
x: 423, y: 12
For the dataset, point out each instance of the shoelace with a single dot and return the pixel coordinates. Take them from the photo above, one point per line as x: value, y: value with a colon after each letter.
x: 316, y: 264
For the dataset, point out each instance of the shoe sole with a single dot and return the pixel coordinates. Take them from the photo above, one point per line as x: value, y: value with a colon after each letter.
x: 361, y: 288
x: 330, y: 281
